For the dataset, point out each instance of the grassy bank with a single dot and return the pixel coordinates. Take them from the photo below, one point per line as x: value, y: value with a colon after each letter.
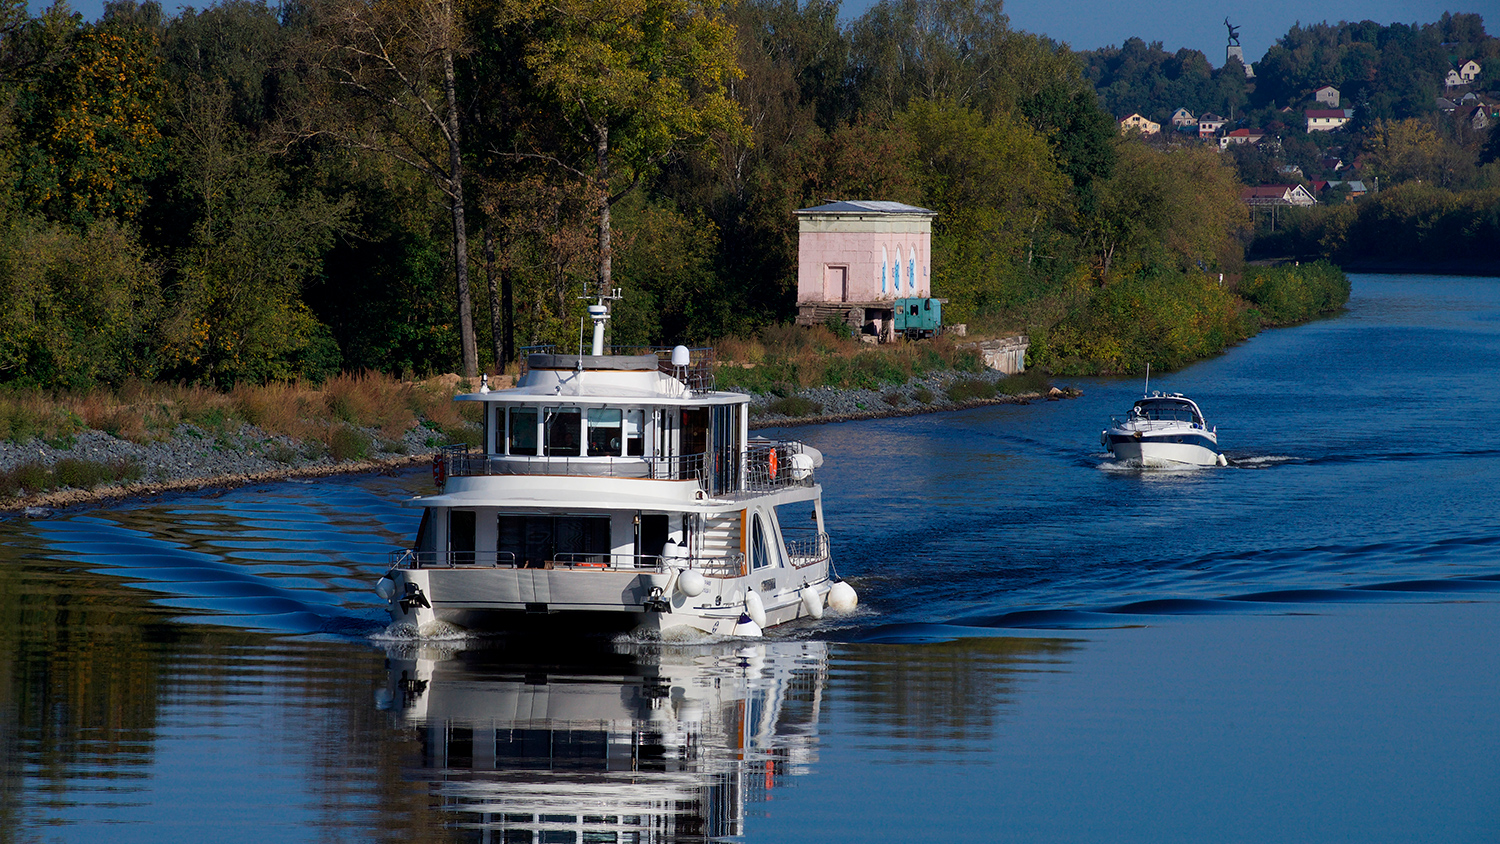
x: 782, y: 359
x: 328, y: 416
x: 1169, y: 320
x: 347, y: 418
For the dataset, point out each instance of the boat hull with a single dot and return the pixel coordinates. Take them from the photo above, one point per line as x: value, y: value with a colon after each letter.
x: 1177, y: 448
x: 482, y: 598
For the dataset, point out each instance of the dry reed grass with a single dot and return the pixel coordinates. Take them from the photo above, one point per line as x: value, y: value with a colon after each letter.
x: 324, y: 415
x: 783, y: 358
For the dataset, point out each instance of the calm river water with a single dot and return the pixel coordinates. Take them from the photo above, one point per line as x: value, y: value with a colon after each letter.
x: 1299, y: 647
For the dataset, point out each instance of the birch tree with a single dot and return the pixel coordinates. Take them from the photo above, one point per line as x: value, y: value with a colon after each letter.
x: 387, y: 85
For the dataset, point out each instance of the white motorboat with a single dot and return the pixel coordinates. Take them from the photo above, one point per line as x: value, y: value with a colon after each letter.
x: 1163, y: 430
x: 620, y: 491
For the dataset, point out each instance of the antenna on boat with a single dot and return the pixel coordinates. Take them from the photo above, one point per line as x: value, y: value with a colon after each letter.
x: 1148, y: 380
x: 599, y: 313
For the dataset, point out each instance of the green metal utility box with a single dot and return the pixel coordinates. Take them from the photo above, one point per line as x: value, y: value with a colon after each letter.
x: 919, y: 317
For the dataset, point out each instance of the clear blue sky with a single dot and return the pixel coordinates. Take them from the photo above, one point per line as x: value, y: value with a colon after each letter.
x: 1089, y: 24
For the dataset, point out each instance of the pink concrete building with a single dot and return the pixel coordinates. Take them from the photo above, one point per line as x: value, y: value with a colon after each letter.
x: 855, y: 258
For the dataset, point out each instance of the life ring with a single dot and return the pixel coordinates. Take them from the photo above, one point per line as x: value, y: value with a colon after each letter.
x: 439, y: 470
x: 771, y: 463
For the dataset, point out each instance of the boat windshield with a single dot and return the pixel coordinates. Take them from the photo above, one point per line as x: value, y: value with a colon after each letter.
x: 1166, y: 410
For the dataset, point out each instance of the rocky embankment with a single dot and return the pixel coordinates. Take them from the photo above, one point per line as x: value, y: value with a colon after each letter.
x: 194, y: 459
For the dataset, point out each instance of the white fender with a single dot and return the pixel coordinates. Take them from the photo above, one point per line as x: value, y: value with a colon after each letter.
x: 691, y: 584
x: 746, y: 627
x: 755, y: 609
x: 812, y: 602
x: 842, y: 598
x: 385, y: 588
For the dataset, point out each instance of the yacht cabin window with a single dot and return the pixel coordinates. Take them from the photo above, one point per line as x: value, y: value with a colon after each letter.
x: 523, y: 431
x: 564, y: 430
x: 760, y: 554
x: 604, y: 432
x: 635, y: 433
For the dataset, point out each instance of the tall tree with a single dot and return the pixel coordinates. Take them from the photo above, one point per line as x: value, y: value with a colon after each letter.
x: 635, y: 81
x: 90, y: 125
x: 389, y: 87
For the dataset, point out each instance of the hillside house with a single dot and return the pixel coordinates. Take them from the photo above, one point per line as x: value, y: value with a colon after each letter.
x: 1476, y: 117
x: 1469, y: 72
x: 1327, y: 119
x: 1327, y: 95
x: 1291, y: 195
x: 1452, y: 80
x: 1241, y: 136
x: 856, y: 257
x: 1183, y: 120
x: 1356, y: 187
x: 1140, y: 124
x: 1210, y: 124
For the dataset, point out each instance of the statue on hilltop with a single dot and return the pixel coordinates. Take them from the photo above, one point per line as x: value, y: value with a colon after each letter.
x: 1234, y: 33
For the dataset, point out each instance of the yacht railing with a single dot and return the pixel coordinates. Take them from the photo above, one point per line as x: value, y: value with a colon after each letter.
x: 804, y: 551
x: 769, y: 466
x: 698, y: 374
x: 759, y: 471
x: 727, y: 566
x: 459, y: 461
x: 1143, y: 424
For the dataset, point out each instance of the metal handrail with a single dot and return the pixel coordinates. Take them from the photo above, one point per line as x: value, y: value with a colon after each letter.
x: 460, y: 462
x: 1156, y: 424
x: 730, y: 565
x: 409, y: 558
x: 755, y: 466
x: 802, y: 553
x: 697, y: 375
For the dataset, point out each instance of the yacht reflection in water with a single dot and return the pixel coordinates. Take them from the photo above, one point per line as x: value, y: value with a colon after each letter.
x: 634, y: 743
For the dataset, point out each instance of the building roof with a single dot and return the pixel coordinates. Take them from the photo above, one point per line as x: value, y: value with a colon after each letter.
x: 1327, y: 113
x: 1265, y: 191
x: 865, y: 206
x: 1324, y: 88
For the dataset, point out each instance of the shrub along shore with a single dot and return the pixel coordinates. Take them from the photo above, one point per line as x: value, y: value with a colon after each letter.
x: 144, y: 439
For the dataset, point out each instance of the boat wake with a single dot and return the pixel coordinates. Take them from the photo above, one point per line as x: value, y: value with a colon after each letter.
x: 1262, y: 461
x: 434, y: 631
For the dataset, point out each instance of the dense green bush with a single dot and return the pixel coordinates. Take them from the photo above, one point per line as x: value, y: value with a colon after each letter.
x: 966, y: 389
x: 794, y: 406
x: 1289, y: 294
x: 346, y: 443
x: 1166, y: 320
x: 1022, y: 383
x: 71, y: 473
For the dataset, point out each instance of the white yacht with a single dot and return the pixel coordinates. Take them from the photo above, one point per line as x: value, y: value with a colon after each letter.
x: 1162, y: 430
x: 617, y: 491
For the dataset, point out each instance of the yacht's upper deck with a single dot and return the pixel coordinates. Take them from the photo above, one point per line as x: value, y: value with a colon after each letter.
x: 626, y: 416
